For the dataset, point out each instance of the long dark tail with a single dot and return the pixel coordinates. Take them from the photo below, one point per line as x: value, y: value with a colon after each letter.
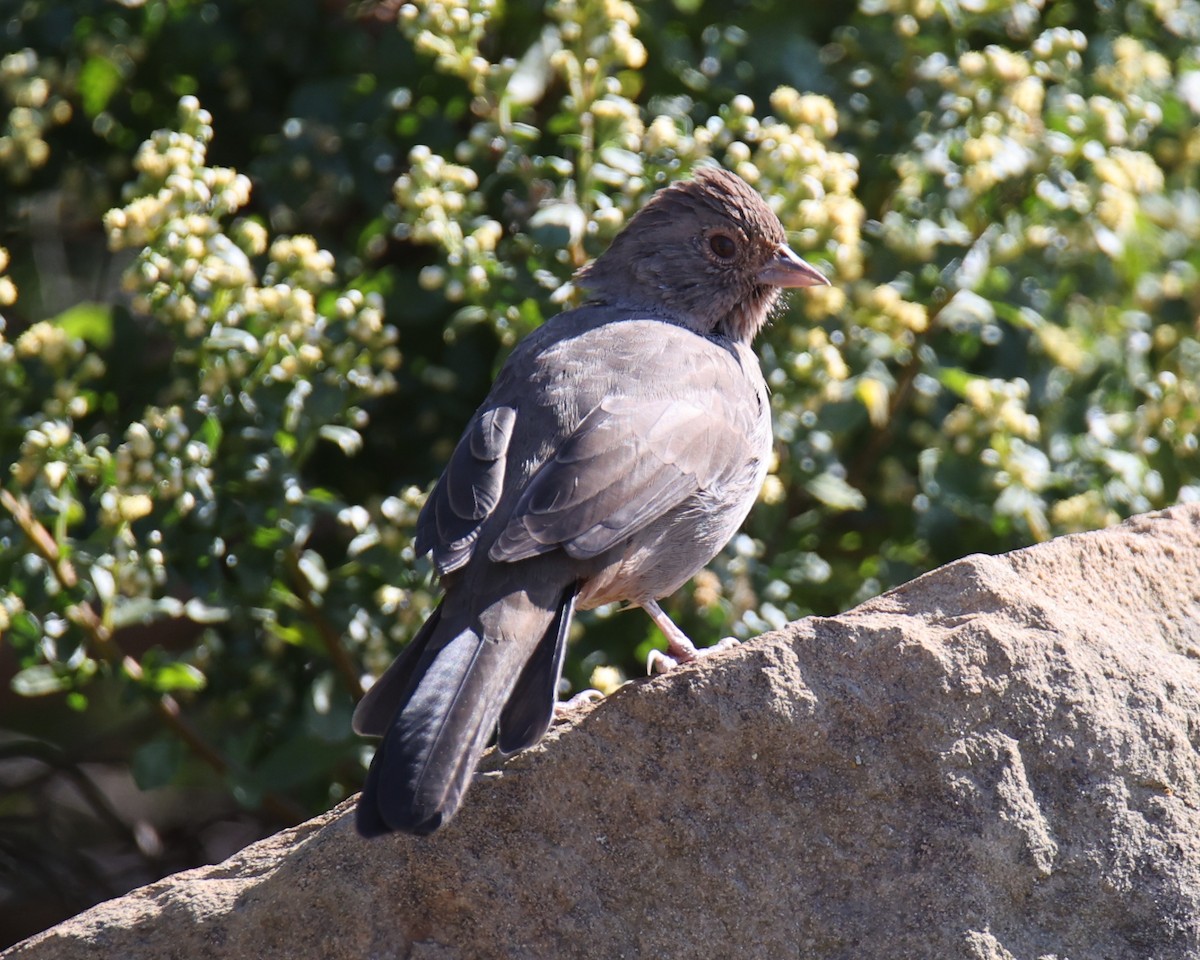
x: 530, y: 707
x: 438, y: 704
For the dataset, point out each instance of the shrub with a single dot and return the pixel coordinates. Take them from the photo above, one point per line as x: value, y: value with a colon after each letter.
x: 212, y: 469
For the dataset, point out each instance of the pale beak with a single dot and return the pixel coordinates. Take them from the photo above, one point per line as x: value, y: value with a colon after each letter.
x: 788, y: 270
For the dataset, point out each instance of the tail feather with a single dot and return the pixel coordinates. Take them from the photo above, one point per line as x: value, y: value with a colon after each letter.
x: 434, y: 740
x: 373, y: 715
x: 530, y: 708
x: 442, y: 704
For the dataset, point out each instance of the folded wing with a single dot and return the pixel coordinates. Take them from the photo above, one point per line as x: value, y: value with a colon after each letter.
x: 630, y: 461
x: 585, y: 479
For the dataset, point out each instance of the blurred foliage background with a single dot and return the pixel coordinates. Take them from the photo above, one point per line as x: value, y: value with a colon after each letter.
x: 262, y: 260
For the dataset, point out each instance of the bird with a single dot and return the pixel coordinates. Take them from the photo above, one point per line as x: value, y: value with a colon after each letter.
x: 620, y: 448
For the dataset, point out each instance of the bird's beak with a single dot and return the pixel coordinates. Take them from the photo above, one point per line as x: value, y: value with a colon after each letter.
x: 788, y: 270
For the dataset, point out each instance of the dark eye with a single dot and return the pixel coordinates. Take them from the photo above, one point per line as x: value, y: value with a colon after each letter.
x: 723, y: 246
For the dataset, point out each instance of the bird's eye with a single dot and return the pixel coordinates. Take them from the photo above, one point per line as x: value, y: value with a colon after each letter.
x: 723, y: 246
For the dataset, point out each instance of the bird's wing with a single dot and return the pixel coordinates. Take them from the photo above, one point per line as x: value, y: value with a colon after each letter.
x: 468, y: 490
x: 631, y: 460
x: 612, y: 423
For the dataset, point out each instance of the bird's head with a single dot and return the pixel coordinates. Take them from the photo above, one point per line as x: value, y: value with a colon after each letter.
x: 707, y: 253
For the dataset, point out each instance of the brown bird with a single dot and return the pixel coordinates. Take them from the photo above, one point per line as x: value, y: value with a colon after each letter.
x: 620, y: 448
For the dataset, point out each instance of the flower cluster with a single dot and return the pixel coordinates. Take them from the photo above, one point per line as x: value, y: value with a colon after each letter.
x: 158, y: 461
x: 602, y: 33
x: 990, y: 409
x: 29, y: 86
x: 451, y: 32
x: 8, y: 289
x: 47, y: 354
x: 268, y: 360
x: 50, y: 454
x: 441, y: 205
x: 191, y: 272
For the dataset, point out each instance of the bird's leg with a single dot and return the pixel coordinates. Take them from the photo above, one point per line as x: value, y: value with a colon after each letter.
x: 680, y: 648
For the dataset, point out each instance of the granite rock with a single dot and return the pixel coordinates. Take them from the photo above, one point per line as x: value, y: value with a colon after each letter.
x: 998, y: 760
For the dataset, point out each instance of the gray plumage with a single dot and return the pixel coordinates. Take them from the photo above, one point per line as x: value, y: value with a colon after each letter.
x: 619, y: 449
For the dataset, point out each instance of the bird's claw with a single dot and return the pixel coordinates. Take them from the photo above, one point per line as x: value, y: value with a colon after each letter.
x: 680, y: 648
x: 677, y: 653
x: 659, y: 662
x: 563, y: 707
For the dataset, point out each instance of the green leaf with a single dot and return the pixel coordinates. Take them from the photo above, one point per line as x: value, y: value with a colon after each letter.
x: 266, y: 538
x: 557, y: 224
x: 157, y: 763
x: 39, y: 681
x: 835, y: 492
x: 294, y: 762
x: 287, y: 633
x: 198, y: 611
x: 956, y: 379
x: 129, y: 611
x: 176, y: 676
x: 90, y: 322
x: 99, y: 79
x: 106, y: 584
x: 163, y: 673
x: 210, y: 433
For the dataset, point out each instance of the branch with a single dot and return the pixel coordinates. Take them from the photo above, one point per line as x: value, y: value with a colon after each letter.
x: 881, y: 439
x: 103, y: 642
x: 329, y: 636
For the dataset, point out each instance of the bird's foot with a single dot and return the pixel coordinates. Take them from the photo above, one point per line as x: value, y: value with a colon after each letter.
x: 659, y: 662
x: 680, y: 648
x: 563, y: 707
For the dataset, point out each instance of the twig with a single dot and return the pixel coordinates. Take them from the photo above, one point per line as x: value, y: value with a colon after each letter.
x: 881, y: 439
x: 54, y: 761
x: 64, y: 572
x: 329, y: 636
x: 83, y: 614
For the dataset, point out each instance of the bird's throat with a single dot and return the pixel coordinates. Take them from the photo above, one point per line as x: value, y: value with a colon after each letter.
x: 750, y: 314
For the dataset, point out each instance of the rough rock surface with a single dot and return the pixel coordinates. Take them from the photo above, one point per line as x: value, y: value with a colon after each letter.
x: 998, y: 760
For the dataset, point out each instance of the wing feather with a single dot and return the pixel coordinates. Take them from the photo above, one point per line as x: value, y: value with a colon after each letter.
x: 630, y: 461
x: 593, y: 431
x: 469, y: 489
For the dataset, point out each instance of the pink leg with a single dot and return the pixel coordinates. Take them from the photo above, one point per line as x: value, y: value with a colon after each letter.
x: 680, y: 648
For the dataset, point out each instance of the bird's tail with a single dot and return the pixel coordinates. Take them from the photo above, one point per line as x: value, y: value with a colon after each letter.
x: 439, y: 703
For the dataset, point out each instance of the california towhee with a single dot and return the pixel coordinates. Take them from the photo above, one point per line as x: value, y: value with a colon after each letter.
x: 620, y: 448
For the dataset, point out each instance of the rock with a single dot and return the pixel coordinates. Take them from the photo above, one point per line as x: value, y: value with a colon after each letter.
x: 997, y: 760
